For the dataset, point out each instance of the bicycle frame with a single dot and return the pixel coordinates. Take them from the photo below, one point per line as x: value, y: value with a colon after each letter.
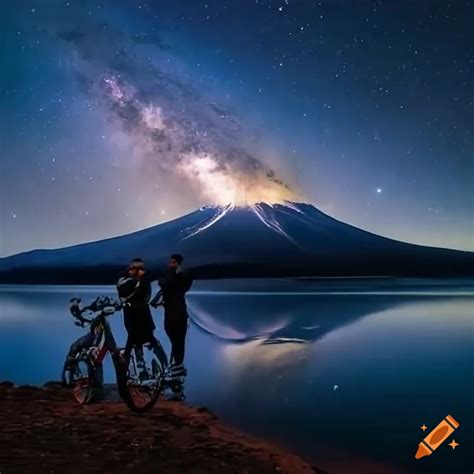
x: 106, y: 341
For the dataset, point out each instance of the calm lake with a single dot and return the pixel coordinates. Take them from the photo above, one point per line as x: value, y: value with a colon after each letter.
x: 343, y: 372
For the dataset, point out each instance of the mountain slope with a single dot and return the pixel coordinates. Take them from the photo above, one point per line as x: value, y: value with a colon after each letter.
x: 222, y: 242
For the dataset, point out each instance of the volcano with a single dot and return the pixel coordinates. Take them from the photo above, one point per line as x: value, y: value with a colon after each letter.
x: 280, y: 240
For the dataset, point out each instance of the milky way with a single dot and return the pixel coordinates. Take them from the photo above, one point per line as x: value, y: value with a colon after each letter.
x: 175, y: 129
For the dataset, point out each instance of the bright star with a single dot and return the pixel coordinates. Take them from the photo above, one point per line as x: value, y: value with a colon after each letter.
x: 379, y: 190
x: 424, y: 427
x: 453, y: 444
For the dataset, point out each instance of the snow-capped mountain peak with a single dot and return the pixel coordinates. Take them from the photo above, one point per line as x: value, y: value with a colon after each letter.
x: 284, y: 239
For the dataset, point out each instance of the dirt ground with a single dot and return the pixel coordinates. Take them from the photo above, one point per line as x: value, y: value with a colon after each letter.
x: 42, y: 430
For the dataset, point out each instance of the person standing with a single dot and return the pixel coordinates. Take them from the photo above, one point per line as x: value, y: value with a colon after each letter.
x: 134, y: 291
x: 174, y: 284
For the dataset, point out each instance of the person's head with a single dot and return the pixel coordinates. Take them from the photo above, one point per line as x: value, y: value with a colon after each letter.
x: 136, y: 268
x: 175, y: 261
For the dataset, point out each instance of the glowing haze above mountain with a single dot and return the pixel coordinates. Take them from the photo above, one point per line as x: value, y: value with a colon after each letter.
x: 217, y: 169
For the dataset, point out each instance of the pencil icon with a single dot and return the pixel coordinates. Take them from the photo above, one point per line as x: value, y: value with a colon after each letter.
x: 436, y: 437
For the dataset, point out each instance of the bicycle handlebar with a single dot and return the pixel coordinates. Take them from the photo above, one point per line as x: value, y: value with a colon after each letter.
x: 102, y: 304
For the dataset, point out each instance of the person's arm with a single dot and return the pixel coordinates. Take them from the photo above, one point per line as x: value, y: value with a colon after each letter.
x: 127, y: 284
x: 186, y: 281
x: 127, y: 287
x: 169, y: 279
x: 176, y: 281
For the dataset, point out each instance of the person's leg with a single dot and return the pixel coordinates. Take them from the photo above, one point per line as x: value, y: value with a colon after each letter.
x: 169, y: 329
x: 139, y: 356
x: 140, y: 361
x: 128, y: 349
x: 159, y: 351
x: 180, y: 341
x: 132, y: 343
x: 178, y: 371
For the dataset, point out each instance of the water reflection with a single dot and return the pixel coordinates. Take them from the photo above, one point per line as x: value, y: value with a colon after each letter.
x: 268, y: 363
x: 388, y: 354
x: 282, y: 318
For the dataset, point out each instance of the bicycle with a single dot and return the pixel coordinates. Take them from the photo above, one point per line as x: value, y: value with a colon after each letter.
x: 82, y: 369
x: 139, y: 384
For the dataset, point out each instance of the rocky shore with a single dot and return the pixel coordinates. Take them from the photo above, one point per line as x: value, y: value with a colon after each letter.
x: 42, y: 430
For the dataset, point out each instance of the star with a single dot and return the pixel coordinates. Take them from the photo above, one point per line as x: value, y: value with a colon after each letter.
x: 424, y: 427
x: 379, y: 190
x: 453, y: 444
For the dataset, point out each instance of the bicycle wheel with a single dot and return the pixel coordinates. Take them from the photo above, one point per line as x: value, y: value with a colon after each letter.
x: 82, y: 380
x: 66, y: 373
x: 140, y: 389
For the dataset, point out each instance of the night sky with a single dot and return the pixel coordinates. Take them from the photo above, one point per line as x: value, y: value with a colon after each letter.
x: 118, y: 115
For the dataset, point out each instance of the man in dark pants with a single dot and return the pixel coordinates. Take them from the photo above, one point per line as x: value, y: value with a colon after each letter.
x: 134, y: 291
x: 174, y: 285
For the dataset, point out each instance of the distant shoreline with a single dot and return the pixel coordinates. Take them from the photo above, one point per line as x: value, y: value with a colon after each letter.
x: 459, y: 286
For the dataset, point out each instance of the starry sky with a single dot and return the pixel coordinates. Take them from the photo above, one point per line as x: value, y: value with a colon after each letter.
x: 118, y: 115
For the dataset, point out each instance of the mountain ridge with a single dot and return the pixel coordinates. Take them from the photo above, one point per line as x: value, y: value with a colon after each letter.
x: 265, y: 240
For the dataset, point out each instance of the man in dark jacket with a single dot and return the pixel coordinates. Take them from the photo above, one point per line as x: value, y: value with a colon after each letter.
x: 174, y: 285
x: 134, y: 291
